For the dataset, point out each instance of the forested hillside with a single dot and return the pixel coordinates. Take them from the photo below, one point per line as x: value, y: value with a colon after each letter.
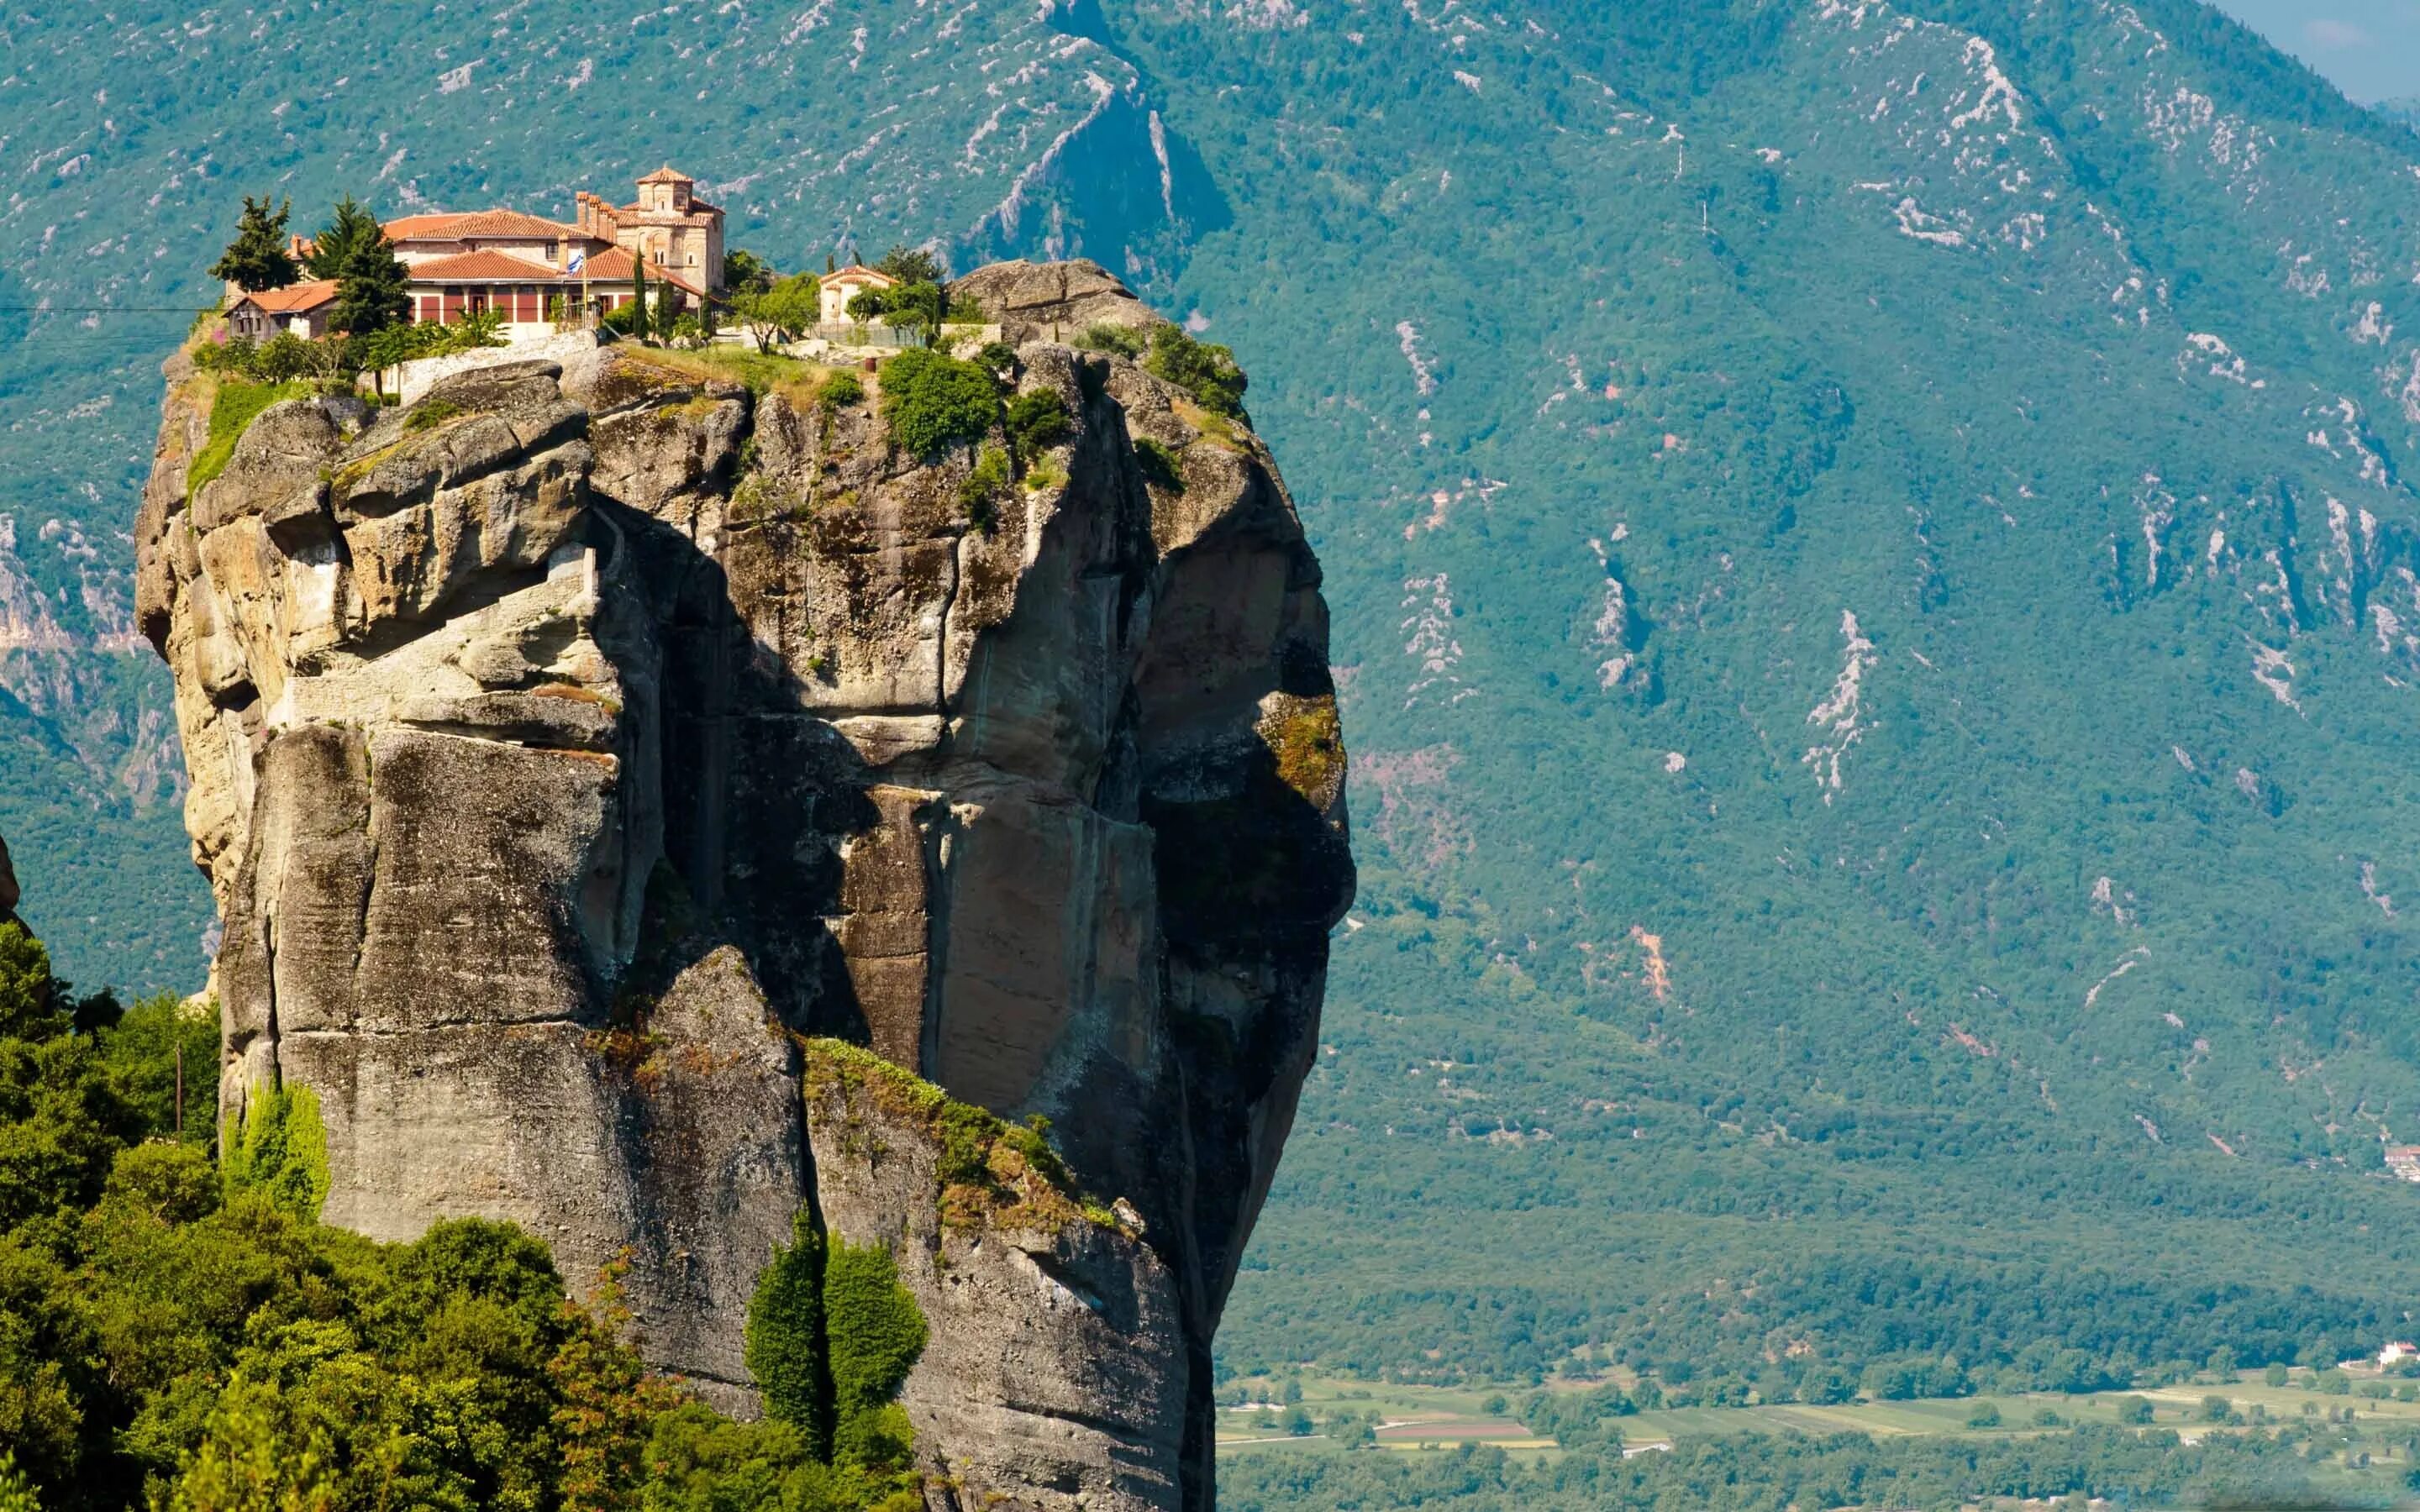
x: 1877, y: 597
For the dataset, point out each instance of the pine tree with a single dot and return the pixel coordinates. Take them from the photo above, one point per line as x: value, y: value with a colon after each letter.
x: 257, y: 259
x: 373, y: 288
x: 353, y: 228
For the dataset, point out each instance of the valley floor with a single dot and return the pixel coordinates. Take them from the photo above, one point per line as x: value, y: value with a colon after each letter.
x: 2372, y: 1470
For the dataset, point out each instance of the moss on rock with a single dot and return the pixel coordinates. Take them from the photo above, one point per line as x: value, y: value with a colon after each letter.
x: 279, y: 1151
x: 233, y: 408
x: 990, y: 1171
x: 1307, y: 740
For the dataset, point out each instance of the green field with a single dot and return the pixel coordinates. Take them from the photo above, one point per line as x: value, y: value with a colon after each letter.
x: 1437, y: 1421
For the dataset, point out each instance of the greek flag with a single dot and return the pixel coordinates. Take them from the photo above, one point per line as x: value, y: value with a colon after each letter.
x: 578, y: 260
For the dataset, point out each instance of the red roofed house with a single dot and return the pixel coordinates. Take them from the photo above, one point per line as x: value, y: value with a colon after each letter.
x: 526, y: 268
x: 530, y: 269
x: 300, y: 308
x: 846, y: 285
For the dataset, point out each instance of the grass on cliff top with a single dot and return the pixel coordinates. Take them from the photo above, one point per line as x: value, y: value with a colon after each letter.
x: 988, y: 1167
x: 233, y: 409
x: 795, y: 379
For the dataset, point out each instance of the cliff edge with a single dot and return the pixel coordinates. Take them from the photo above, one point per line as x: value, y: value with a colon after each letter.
x: 587, y: 755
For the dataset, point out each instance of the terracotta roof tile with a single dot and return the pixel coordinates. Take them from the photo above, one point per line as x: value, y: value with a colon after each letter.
x: 484, y: 268
x: 497, y: 223
x: 667, y: 174
x: 294, y: 299
x: 612, y: 266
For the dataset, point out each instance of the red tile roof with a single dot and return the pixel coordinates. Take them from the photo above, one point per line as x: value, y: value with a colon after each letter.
x: 612, y: 266
x: 667, y: 174
x: 860, y: 273
x: 294, y: 299
x: 484, y: 268
x: 477, y: 223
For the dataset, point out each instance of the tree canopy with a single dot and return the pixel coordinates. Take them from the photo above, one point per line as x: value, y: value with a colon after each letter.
x: 258, y: 259
x: 783, y: 310
x: 349, y: 230
x: 181, y: 1333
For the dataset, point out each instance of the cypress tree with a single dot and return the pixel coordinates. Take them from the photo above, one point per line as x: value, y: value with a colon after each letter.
x: 638, y: 296
x: 786, y: 1349
x: 373, y: 288
x: 257, y: 259
x: 353, y: 228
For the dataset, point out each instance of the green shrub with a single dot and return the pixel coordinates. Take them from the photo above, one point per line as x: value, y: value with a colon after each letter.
x: 1037, y: 422
x: 1208, y: 373
x: 874, y: 1328
x: 932, y: 402
x: 785, y: 1336
x: 170, y: 1183
x: 700, y: 1461
x: 2134, y: 1409
x: 1123, y: 341
x: 16, y: 1491
x: 283, y: 358
x: 233, y: 355
x: 979, y: 495
x: 881, y: 1439
x: 831, y: 1335
x: 237, y: 406
x: 29, y: 1007
x: 840, y: 389
x: 280, y: 1151
x: 1160, y: 467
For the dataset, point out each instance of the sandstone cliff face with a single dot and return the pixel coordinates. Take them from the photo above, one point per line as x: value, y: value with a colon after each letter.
x: 573, y: 748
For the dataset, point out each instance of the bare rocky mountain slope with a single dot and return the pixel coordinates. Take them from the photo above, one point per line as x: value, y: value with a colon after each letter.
x: 579, y: 753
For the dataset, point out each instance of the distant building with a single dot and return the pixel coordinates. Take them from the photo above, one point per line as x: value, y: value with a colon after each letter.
x: 529, y: 269
x: 847, y: 284
x: 2396, y: 1352
x: 2404, y: 1161
x: 670, y: 226
x: 300, y: 308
